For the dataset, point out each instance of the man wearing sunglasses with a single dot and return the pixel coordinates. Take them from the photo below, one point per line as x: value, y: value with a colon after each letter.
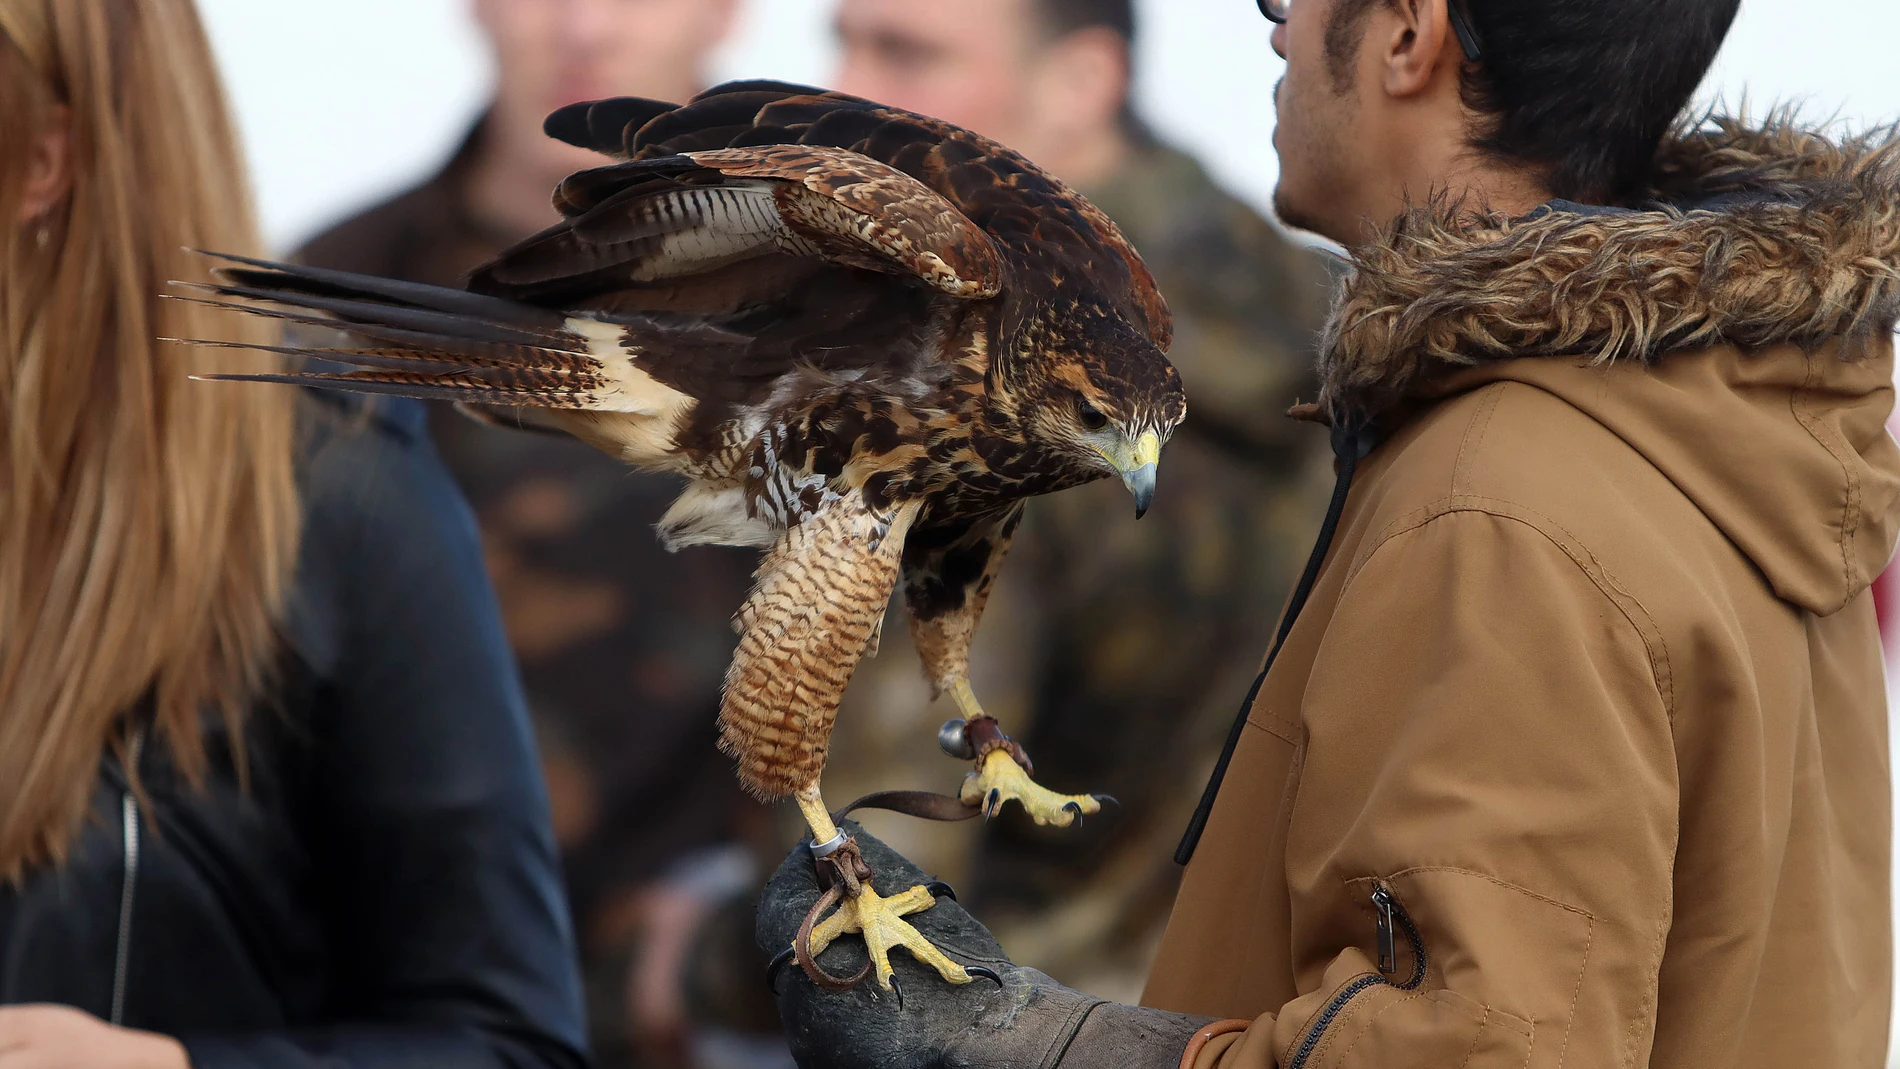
x: 1571, y: 749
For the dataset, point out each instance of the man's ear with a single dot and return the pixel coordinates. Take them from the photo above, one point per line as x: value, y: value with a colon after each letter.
x: 49, y: 169
x: 1419, y: 45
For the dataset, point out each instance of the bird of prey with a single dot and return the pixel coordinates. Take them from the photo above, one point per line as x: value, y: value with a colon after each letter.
x: 864, y: 336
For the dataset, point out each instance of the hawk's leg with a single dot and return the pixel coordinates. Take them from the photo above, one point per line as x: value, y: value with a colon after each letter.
x: 861, y: 910
x: 948, y: 574
x: 1003, y: 769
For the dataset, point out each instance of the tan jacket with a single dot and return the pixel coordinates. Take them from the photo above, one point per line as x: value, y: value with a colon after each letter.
x: 1590, y: 685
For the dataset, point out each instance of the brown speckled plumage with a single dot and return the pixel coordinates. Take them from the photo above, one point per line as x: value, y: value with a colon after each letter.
x: 863, y: 335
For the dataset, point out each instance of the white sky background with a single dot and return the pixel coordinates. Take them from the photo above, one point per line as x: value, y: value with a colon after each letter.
x: 348, y: 100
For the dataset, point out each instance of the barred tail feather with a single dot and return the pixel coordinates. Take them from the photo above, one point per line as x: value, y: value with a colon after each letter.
x: 436, y: 343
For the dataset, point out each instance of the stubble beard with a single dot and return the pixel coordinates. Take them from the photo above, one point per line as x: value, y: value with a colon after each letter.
x: 1306, y: 158
x: 1292, y: 215
x: 1311, y: 143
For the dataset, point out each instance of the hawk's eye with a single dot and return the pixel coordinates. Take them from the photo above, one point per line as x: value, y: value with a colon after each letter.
x: 1091, y: 417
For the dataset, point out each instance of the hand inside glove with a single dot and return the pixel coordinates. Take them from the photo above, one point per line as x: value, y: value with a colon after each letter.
x: 1027, y: 1020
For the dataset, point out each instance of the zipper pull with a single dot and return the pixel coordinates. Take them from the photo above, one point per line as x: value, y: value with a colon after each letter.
x: 1388, y: 942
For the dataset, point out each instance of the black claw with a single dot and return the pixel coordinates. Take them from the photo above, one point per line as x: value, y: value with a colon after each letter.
x: 897, y: 988
x: 940, y: 889
x: 777, y: 965
x: 1107, y: 799
x: 1074, y: 811
x: 993, y: 804
x: 985, y: 972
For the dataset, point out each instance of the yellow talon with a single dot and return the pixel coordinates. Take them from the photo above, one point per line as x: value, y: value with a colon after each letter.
x: 880, y: 921
x: 1000, y: 779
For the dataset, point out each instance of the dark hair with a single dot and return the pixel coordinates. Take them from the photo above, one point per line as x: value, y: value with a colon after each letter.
x: 1580, y: 92
x: 1061, y: 18
x: 1585, y: 92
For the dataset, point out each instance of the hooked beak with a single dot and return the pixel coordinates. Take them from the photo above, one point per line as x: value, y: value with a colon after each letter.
x: 1138, y: 473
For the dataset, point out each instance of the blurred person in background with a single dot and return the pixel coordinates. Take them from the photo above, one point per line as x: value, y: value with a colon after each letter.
x: 1104, y: 623
x: 622, y: 646
x: 267, y: 785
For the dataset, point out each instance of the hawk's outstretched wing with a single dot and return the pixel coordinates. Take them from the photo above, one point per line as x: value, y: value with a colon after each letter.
x: 652, y: 220
x: 1045, y: 225
x: 759, y: 234
x: 714, y: 276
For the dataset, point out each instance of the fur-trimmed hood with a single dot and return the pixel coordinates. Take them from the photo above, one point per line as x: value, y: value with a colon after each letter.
x: 1756, y: 236
x: 1737, y: 330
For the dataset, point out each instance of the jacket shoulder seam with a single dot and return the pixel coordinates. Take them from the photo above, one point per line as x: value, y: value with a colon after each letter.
x: 1475, y: 430
x: 1627, y: 604
x: 1851, y: 500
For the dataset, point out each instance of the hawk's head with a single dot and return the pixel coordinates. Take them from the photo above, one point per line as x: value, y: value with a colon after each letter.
x: 1097, y: 391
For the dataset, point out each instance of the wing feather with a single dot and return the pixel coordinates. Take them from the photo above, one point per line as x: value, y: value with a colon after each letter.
x: 833, y: 196
x: 672, y: 217
x: 1040, y: 221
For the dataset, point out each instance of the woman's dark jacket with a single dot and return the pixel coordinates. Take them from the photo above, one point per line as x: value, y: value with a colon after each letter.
x: 385, y: 891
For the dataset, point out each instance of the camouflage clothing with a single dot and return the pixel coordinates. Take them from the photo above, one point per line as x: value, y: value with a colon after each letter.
x: 622, y: 645
x: 1101, y: 624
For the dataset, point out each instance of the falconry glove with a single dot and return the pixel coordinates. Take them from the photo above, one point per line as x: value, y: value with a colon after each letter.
x: 1024, y: 1019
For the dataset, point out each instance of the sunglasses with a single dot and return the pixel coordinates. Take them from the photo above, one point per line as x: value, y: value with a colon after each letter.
x: 1275, y: 11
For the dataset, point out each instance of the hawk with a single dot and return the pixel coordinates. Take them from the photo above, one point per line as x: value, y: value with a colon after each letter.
x: 864, y: 336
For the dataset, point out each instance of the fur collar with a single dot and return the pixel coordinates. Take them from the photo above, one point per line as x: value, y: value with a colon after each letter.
x: 1753, y: 236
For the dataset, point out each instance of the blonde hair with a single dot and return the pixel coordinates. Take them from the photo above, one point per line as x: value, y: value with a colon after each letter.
x: 148, y: 524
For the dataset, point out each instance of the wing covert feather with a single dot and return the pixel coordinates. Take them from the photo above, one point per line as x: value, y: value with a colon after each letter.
x: 666, y: 218
x: 835, y: 195
x: 1025, y: 211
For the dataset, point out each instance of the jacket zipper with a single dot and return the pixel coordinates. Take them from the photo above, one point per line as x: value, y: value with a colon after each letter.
x: 1387, y: 911
x: 129, y: 820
